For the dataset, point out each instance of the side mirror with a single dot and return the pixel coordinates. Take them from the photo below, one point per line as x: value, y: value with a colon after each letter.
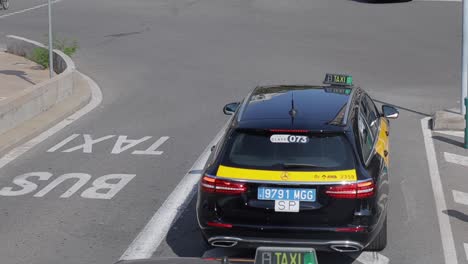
x: 390, y: 112
x: 231, y: 108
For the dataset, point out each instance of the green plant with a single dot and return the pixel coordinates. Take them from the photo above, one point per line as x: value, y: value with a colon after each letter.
x: 41, y: 57
x: 66, y: 46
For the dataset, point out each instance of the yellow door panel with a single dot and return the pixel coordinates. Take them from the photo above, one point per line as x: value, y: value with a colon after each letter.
x: 382, y: 146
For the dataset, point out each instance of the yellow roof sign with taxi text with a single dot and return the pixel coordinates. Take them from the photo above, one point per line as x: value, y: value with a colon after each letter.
x: 286, y: 176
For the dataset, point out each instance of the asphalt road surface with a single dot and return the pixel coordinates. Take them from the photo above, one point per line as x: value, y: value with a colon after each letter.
x: 166, y: 68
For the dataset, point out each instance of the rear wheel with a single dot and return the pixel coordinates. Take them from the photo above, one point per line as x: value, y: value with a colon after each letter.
x: 380, y: 241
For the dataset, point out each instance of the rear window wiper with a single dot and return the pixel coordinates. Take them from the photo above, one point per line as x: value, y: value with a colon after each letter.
x: 300, y: 165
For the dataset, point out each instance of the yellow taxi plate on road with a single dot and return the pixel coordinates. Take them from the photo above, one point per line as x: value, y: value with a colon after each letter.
x: 286, y: 176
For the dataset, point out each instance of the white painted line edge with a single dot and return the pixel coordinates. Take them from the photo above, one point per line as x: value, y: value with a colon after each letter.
x: 96, y: 99
x: 465, y: 245
x: 372, y: 258
x: 448, y: 244
x: 28, y: 9
x: 457, y: 159
x: 460, y: 197
x: 154, y: 232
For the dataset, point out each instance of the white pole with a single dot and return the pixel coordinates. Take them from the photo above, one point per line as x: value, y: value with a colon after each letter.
x: 51, y: 56
x: 464, y: 87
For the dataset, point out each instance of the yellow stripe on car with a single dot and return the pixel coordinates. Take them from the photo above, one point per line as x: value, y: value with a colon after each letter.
x: 382, y: 143
x: 286, y: 176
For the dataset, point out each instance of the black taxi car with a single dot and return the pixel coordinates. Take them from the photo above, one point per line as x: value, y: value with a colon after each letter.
x: 300, y: 166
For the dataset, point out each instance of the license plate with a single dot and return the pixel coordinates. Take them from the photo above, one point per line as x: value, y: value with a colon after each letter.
x: 287, y: 206
x: 274, y: 255
x: 289, y: 194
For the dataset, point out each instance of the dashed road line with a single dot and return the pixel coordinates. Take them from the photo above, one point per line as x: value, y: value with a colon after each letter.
x: 460, y: 197
x: 448, y: 245
x: 28, y: 9
x: 457, y: 159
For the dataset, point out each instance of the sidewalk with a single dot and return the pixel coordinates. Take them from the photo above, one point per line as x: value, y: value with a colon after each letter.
x: 32, y: 103
x: 17, y: 73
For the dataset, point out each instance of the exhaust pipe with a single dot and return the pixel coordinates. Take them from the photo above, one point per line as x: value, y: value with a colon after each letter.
x: 346, y: 248
x: 223, y: 243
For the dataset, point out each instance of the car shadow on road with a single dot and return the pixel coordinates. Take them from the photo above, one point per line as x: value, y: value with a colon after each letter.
x: 184, y: 237
x: 185, y: 240
x: 457, y: 214
x: 449, y: 141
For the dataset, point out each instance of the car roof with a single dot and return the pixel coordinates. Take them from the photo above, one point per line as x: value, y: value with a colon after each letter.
x: 323, y: 108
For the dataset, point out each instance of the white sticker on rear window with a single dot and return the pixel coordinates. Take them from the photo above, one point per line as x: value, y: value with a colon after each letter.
x: 281, y: 138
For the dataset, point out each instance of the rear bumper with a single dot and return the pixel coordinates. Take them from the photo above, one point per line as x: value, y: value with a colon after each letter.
x: 335, y: 245
x: 323, y: 241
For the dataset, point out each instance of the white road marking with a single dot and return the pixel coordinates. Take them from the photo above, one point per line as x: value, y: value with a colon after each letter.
x: 82, y: 178
x: 372, y: 258
x: 460, y: 197
x: 119, y: 146
x: 457, y: 159
x: 96, y: 98
x: 28, y: 9
x: 465, y: 245
x: 451, y: 133
x: 25, y: 185
x: 102, y: 183
x: 152, y: 149
x: 100, y: 188
x: 448, y: 245
x: 149, y: 239
x: 63, y: 143
x: 87, y: 146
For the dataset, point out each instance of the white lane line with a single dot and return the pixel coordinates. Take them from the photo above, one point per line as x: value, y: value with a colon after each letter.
x: 372, y: 258
x: 444, y: 222
x: 28, y: 9
x: 460, y: 197
x: 96, y: 98
x: 149, y: 239
x: 466, y: 250
x: 451, y: 133
x: 457, y: 159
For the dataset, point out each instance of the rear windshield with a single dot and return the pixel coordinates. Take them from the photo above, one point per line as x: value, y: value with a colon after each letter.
x: 281, y: 151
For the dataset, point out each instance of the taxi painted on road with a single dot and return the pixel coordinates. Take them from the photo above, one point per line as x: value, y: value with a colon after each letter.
x: 300, y: 165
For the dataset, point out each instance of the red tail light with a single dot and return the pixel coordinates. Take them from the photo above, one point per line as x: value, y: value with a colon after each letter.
x: 214, y: 185
x: 359, y: 190
x: 289, y: 130
x: 350, y: 229
x: 216, y: 224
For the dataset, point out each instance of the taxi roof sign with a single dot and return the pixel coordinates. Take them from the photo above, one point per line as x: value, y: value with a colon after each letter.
x: 338, y: 79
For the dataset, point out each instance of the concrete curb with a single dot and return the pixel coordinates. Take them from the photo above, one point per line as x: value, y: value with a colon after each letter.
x: 41, y: 106
x: 448, y: 120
